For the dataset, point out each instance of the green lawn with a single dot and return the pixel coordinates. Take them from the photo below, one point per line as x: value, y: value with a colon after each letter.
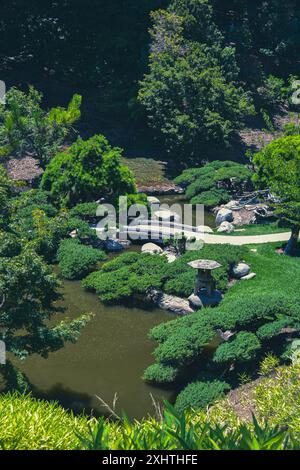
x: 148, y: 172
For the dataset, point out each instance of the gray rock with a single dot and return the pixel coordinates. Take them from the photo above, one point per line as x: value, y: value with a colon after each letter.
x: 226, y: 227
x: 171, y: 257
x: 151, y: 248
x: 241, y: 270
x: 113, y: 245
x: 202, y: 300
x: 224, y: 215
x: 204, y: 229
x: 248, y: 277
x: 169, y: 302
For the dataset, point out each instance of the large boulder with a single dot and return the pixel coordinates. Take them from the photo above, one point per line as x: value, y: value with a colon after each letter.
x: 224, y: 215
x: 241, y: 270
x: 169, y: 302
x: 226, y: 227
x: 152, y: 249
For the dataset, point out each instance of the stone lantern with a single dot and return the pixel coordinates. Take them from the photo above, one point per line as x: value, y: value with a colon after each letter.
x: 205, y: 293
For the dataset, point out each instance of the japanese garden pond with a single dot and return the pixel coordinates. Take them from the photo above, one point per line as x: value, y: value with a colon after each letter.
x: 110, y: 356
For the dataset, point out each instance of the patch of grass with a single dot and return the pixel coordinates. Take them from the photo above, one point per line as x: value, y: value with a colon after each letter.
x: 148, y: 172
x: 27, y: 423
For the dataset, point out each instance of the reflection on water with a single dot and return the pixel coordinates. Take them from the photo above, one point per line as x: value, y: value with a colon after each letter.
x: 209, y: 218
x: 110, y: 357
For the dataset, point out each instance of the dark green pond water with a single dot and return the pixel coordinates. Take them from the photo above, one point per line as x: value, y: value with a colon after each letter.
x: 110, y: 357
x: 209, y: 218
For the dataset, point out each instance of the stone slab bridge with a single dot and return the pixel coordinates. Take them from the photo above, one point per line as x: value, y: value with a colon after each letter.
x: 161, y: 231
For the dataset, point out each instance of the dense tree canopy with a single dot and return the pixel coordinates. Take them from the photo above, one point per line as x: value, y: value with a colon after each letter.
x: 27, y: 129
x: 191, y: 92
x: 101, y: 48
x: 88, y: 171
x: 278, y: 168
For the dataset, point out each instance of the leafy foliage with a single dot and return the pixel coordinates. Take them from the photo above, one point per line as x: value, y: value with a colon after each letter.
x: 87, y: 171
x: 278, y: 168
x: 5, y: 194
x: 257, y: 313
x: 243, y: 348
x: 77, y: 260
x: 25, y: 128
x: 160, y: 373
x: 191, y: 93
x: 27, y: 423
x: 215, y: 183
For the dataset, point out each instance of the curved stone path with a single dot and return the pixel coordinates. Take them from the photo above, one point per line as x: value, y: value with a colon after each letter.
x: 246, y: 239
x: 210, y: 238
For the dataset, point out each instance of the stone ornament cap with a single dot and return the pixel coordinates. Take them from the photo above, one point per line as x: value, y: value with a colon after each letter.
x: 204, y: 264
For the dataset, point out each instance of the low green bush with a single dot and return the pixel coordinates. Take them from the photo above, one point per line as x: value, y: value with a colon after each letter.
x: 242, y: 348
x: 215, y: 183
x: 212, y: 198
x: 160, y: 373
x: 198, y: 395
x: 86, y: 211
x: 127, y: 276
x: 77, y: 260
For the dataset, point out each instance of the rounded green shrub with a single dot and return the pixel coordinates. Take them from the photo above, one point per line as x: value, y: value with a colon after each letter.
x: 214, y: 183
x: 76, y: 260
x: 198, y: 395
x: 242, y: 348
x: 160, y: 373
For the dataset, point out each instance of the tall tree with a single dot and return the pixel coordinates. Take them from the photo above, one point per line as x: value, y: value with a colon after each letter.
x: 278, y: 168
x: 28, y: 290
x: 191, y: 92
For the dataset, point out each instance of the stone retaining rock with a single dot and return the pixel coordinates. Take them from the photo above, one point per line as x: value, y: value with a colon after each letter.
x: 152, y: 249
x: 241, y: 270
x: 224, y: 215
x: 169, y: 302
x: 226, y: 227
x: 248, y: 277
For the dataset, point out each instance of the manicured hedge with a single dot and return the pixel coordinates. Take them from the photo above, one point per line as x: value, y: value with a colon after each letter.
x: 198, y: 395
x: 77, y: 260
x: 160, y: 373
x: 214, y: 183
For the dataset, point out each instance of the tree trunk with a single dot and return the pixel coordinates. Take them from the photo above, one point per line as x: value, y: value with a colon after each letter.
x: 292, y: 243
